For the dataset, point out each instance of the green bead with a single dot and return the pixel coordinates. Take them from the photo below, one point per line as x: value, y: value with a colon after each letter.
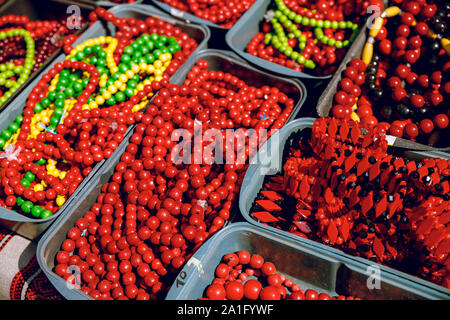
x: 29, y: 176
x: 77, y: 87
x: 45, y: 102
x: 19, y: 201
x: 97, y: 48
x: 69, y: 92
x: 283, y: 19
x: 327, y: 24
x: 128, y: 50
x: 154, y: 37
x: 150, y: 45
x: 102, y: 54
x: 101, y: 62
x: 294, y: 55
x: 291, y: 15
x: 36, y: 211
x: 2, y: 142
x: 25, y: 183
x: 46, y: 214
x: 6, y: 134
x: 13, y: 127
x: 54, y: 121
x: 310, y: 64
x: 129, y: 92
x: 305, y: 21
x: 27, y: 206
x: 342, y: 24
x: 88, y: 51
x: 134, y: 46
x: 93, y: 60
x: 288, y: 51
x: 80, y: 55
x: 312, y: 22
x: 301, y: 59
x: 120, y: 96
x: 111, y: 101
x: 334, y: 24
x: 331, y: 42
x: 19, y: 119
x: 339, y: 44
x: 288, y: 24
x: 41, y: 161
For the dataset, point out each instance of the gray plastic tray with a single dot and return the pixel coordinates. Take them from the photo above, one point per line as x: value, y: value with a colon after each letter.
x: 247, y: 27
x: 112, y: 4
x: 254, y: 179
x: 51, y: 241
x: 32, y: 228
x: 228, y: 61
x: 310, y: 267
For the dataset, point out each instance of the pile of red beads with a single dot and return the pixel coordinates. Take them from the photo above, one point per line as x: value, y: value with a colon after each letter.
x: 79, y: 112
x: 156, y: 211
x: 224, y: 13
x: 347, y: 190
x: 403, y: 86
x: 24, y: 46
x: 309, y: 36
x: 242, y: 275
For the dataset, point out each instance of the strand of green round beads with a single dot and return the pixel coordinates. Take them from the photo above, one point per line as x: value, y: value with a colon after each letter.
x: 283, y: 16
x: 8, y: 70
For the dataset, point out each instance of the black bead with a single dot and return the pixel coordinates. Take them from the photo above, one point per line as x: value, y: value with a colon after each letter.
x: 390, y: 198
x: 364, y: 248
x: 426, y: 179
x: 404, y: 219
x: 347, y: 152
x: 430, y: 170
x: 371, y: 78
x: 371, y: 229
x: 384, y: 165
x: 363, y: 234
x: 372, y: 160
x: 403, y: 170
x: 359, y: 155
x: 415, y: 175
x: 438, y: 187
x: 341, y: 177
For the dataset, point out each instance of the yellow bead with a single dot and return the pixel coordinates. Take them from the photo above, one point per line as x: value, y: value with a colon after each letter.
x: 142, y: 66
x: 446, y: 45
x: 93, y: 105
x: 158, y: 78
x: 150, y: 68
x: 99, y: 100
x: 140, y: 87
x: 135, y: 68
x: 60, y: 200
x: 123, y: 87
x: 118, y: 84
x: 392, y: 11
x: 62, y: 174
x: 112, y: 88
x: 157, y: 64
x: 355, y: 117
x: 376, y: 26
x: 38, y: 187
x: 367, y: 53
x: 431, y: 34
x: 123, y: 78
x: 106, y: 95
x: 102, y: 83
x: 130, y: 74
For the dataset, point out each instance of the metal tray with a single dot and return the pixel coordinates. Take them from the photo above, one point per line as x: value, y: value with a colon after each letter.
x: 254, y: 179
x: 32, y: 228
x: 309, y: 266
x: 45, y: 10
